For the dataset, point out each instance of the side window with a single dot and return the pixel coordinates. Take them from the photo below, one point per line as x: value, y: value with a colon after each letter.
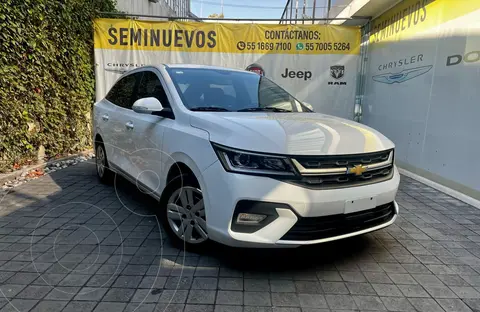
x: 150, y: 86
x: 121, y: 93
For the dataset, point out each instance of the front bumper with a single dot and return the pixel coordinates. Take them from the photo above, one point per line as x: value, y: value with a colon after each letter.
x: 223, y: 190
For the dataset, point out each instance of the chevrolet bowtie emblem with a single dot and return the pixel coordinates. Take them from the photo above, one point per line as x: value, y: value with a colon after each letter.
x: 357, y: 170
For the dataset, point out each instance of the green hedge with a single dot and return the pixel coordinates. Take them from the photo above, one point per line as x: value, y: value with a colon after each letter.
x: 46, y: 76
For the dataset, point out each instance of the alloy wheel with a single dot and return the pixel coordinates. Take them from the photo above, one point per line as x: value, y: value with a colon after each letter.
x: 100, y: 161
x: 186, y: 215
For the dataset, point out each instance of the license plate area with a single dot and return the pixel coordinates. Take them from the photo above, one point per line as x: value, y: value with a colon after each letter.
x: 360, y: 204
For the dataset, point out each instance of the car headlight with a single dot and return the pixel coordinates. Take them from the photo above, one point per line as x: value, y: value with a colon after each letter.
x: 239, y: 161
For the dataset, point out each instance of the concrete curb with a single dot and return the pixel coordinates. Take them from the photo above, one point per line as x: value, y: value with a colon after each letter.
x: 4, y: 177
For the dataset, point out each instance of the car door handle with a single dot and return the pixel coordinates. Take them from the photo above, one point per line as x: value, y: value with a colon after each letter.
x: 105, y: 117
x: 129, y: 125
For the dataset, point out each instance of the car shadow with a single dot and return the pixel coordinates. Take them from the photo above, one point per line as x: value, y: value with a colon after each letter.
x: 261, y: 259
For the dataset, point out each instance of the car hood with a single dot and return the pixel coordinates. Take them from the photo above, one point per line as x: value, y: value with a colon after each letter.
x: 290, y: 133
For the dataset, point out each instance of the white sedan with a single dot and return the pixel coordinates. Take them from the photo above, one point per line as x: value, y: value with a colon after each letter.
x: 234, y: 158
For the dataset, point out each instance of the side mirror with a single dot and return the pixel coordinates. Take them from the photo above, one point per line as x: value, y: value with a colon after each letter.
x: 310, y: 107
x: 147, y: 105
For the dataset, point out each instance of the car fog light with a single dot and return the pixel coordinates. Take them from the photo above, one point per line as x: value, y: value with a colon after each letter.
x: 250, y: 218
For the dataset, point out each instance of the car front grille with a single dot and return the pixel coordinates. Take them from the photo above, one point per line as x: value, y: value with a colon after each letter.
x: 312, y: 228
x: 337, y: 171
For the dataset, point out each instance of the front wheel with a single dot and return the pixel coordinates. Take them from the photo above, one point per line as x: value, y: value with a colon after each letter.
x: 103, y: 170
x: 183, y: 212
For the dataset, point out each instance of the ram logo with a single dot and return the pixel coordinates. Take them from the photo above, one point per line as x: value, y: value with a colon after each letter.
x: 337, y: 71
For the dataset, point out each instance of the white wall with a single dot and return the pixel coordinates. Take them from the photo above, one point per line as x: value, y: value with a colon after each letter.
x: 427, y: 105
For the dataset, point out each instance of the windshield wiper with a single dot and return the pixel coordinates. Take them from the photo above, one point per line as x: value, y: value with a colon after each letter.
x: 209, y: 109
x: 265, y: 109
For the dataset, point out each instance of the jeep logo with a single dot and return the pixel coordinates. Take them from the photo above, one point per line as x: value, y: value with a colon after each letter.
x: 470, y: 57
x: 305, y: 75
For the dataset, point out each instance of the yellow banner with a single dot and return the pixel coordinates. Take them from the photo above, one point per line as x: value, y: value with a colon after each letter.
x: 413, y: 16
x: 122, y: 34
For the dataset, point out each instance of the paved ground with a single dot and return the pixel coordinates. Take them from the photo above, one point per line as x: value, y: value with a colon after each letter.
x: 68, y: 243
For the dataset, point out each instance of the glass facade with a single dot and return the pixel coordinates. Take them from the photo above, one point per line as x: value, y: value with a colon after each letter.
x: 304, y: 11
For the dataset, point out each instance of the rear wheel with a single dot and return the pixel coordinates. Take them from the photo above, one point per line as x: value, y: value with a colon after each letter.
x: 103, y: 170
x: 183, y: 213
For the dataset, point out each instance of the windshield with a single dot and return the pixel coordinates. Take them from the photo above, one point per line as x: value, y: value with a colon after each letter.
x: 203, y: 89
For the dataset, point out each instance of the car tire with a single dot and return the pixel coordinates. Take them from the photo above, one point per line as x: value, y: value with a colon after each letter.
x: 182, y: 213
x: 104, y: 174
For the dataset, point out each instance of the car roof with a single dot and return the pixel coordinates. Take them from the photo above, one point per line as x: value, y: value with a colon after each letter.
x: 180, y: 66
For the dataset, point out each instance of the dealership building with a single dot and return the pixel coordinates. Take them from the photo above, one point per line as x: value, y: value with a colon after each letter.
x: 417, y: 81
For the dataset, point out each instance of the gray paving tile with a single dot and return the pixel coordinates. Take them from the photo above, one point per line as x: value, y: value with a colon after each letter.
x: 110, y: 307
x: 371, y: 303
x: 153, y: 282
x: 34, y: 292
x: 257, y: 309
x: 169, y: 307
x: 22, y: 278
x: 378, y: 277
x: 472, y: 280
x: 361, y: 289
x: 329, y: 276
x: 427, y: 279
x: 413, y: 291
x: 207, y: 271
x: 204, y: 283
x: 179, y: 282
x: 146, y: 296
x: 230, y: 283
x: 256, y: 298
x: 473, y: 304
x: 425, y: 304
x: 282, y: 286
x: 228, y: 272
x: 453, y: 280
x: 370, y: 267
x: 340, y: 302
x: 308, y: 287
x: 139, y: 307
x: 256, y: 284
x: 312, y: 301
x: 21, y: 305
x: 453, y: 305
x: 62, y: 293
x: 229, y: 297
x: 284, y: 309
x: 124, y: 281
x: 201, y: 296
x: 334, y: 288
x: 49, y: 306
x: 402, y: 278
x: 228, y: 308
x: 75, y: 280
x: 397, y: 304
x: 198, y: 308
x: 119, y: 294
x: 387, y: 290
x: 465, y: 292
x: 285, y: 300
x: 439, y: 291
x: 101, y: 280
x: 83, y: 306
x: 352, y: 276
x: 91, y: 294
x: 11, y: 290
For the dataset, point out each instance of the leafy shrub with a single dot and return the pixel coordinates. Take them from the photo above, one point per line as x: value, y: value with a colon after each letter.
x: 46, y: 76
